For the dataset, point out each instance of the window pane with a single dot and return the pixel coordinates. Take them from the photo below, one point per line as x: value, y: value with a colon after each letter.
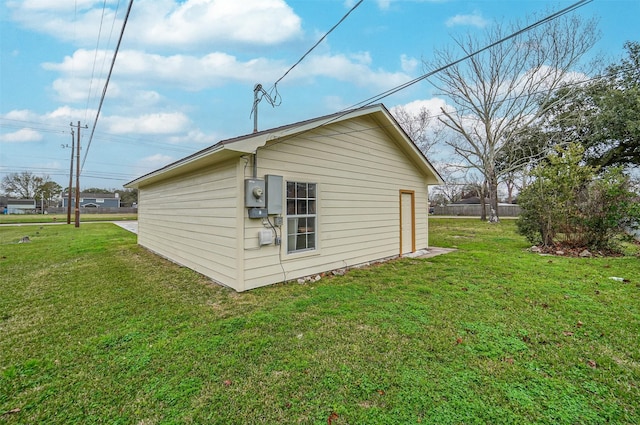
x: 291, y: 243
x: 311, y: 209
x: 292, y: 225
x: 302, y: 207
x: 302, y: 242
x: 312, y: 190
x: 301, y: 190
x: 291, y: 190
x: 291, y: 207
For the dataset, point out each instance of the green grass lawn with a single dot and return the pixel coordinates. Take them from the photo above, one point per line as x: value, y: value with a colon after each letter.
x: 94, y: 329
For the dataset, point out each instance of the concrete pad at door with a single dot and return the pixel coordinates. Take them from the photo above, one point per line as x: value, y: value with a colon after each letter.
x: 430, y: 252
x: 131, y: 226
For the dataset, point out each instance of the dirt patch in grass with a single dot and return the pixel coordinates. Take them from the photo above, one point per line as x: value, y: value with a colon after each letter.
x: 575, y: 252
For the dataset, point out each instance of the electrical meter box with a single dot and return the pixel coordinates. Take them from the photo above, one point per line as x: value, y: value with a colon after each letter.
x: 274, y: 193
x: 258, y: 213
x: 254, y: 193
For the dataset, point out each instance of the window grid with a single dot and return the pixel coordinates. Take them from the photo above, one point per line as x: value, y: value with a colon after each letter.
x: 301, y: 216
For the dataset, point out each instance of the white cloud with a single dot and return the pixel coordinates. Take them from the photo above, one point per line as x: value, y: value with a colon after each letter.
x: 136, y: 69
x: 56, y: 121
x: 140, y: 68
x: 19, y: 115
x: 158, y: 123
x: 474, y: 20
x: 44, y: 5
x: 60, y: 20
x: 363, y: 58
x: 82, y: 62
x: 408, y: 64
x: 165, y: 23
x: 342, y: 68
x: 66, y: 113
x: 195, y: 21
x: 386, y: 4
x: 335, y: 103
x: 433, y: 105
x: 76, y: 89
x: 195, y: 137
x: 153, y: 162
x: 23, y: 135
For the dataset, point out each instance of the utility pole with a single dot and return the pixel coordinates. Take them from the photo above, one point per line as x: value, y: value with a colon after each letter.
x: 77, y: 206
x: 70, y: 176
x: 77, y: 210
x: 258, y: 94
x: 256, y: 89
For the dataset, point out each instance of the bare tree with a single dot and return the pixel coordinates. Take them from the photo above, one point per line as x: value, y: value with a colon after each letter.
x: 497, y: 93
x: 23, y: 185
x: 477, y: 184
x: 452, y: 189
x: 509, y: 179
x: 418, y: 126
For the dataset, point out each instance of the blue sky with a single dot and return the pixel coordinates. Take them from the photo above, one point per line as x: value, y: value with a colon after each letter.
x: 184, y: 77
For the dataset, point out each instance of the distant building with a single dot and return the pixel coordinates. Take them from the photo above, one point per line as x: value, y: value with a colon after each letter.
x: 472, y: 200
x: 93, y: 200
x: 19, y: 206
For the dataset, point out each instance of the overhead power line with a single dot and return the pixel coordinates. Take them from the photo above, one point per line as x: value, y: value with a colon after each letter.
x: 313, y: 47
x: 377, y: 98
x: 95, y: 56
x: 272, y: 95
x: 106, y: 83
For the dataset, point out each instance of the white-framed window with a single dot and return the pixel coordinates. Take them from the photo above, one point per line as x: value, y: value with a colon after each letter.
x: 301, y: 217
x: 99, y: 200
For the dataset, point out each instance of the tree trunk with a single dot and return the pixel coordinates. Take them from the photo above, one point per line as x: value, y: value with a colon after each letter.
x: 493, y: 198
x: 483, y: 206
x: 510, y: 185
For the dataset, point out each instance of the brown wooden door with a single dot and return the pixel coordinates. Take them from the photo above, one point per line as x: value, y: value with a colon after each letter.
x: 407, y: 222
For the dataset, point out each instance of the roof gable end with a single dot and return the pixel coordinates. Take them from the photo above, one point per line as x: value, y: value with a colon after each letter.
x: 249, y: 144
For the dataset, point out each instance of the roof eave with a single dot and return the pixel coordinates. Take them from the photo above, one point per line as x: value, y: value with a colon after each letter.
x: 244, y: 145
x: 206, y: 156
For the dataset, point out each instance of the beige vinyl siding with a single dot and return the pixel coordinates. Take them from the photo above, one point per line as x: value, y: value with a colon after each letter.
x: 359, y: 171
x: 192, y: 220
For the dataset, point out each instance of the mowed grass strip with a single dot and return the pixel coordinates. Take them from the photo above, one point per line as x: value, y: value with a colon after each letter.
x: 95, y: 329
x: 62, y: 218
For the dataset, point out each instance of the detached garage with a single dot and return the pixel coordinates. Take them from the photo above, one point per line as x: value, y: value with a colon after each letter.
x: 280, y: 204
